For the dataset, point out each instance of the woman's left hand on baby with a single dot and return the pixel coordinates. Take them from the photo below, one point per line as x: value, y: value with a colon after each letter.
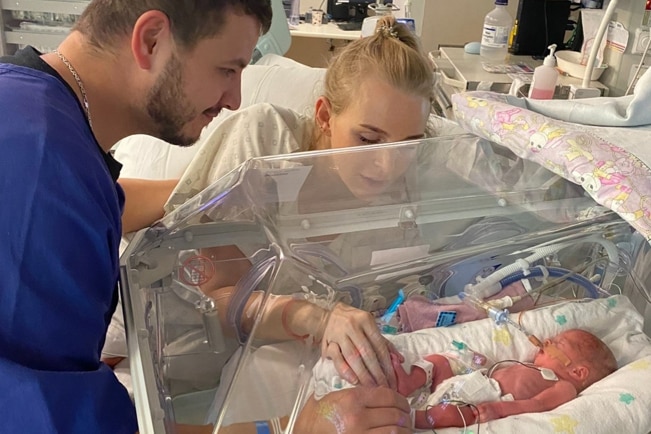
x: 359, y: 351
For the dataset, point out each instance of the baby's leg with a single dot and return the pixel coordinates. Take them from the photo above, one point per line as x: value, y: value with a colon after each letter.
x: 427, y: 372
x: 442, y: 369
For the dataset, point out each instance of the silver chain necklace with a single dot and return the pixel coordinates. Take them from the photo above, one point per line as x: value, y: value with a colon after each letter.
x: 73, y: 71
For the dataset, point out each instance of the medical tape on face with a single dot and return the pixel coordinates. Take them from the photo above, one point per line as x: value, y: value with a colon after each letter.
x: 554, y: 352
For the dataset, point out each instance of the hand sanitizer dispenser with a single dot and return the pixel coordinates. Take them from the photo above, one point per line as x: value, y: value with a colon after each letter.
x: 544, y: 77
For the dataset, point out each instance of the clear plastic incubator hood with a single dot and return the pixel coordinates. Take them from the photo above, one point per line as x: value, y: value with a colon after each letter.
x: 372, y: 227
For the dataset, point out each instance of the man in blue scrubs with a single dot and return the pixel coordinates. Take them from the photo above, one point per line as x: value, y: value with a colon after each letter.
x: 158, y: 67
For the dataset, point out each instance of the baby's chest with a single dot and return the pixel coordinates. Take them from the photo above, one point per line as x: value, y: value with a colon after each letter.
x: 523, y: 382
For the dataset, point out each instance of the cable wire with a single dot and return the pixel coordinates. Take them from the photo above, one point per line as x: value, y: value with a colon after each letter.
x: 639, y: 67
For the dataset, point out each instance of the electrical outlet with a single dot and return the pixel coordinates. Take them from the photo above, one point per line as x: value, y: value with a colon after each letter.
x: 641, y: 41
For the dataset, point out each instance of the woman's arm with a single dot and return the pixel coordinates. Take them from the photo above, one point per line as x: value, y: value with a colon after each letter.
x: 348, y: 336
x: 144, y: 200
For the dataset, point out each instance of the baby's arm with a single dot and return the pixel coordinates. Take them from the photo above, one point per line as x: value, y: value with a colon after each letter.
x: 444, y: 416
x: 550, y: 398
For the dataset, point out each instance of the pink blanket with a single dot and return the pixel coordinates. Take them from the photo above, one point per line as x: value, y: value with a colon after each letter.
x: 418, y: 312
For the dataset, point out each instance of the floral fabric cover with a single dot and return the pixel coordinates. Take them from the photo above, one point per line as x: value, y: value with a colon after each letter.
x: 610, y: 163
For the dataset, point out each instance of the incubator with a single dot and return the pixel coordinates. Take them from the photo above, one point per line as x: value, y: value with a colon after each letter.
x: 423, y: 220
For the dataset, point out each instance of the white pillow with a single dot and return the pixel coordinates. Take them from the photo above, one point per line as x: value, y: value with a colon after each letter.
x: 147, y: 157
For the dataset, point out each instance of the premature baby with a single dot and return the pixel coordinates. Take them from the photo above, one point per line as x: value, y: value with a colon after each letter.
x: 565, y: 366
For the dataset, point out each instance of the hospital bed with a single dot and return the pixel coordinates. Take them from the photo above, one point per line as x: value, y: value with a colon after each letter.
x: 465, y: 208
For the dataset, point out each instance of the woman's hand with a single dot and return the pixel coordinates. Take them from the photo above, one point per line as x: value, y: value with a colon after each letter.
x: 359, y: 351
x: 355, y: 411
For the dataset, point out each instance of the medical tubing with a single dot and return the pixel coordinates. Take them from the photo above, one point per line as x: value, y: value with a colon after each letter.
x: 323, y: 253
x: 613, y: 258
x: 212, y: 325
x: 356, y: 295
x: 490, y: 285
x: 631, y: 85
x: 497, y: 315
x: 243, y: 289
x: 596, y: 43
x: 553, y: 272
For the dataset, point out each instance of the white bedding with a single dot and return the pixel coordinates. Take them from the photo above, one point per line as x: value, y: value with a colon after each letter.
x: 618, y: 403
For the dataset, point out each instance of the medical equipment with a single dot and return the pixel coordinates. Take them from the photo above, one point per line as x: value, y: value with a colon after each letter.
x: 387, y: 325
x: 522, y: 269
x: 348, y: 10
x: 298, y: 239
x: 381, y: 9
x: 500, y: 316
x: 498, y: 24
x: 538, y: 25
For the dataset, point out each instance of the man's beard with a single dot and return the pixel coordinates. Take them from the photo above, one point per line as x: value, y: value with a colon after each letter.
x: 168, y: 107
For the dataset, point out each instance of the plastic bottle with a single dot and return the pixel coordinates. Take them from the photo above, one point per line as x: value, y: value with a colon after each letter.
x: 495, y: 35
x: 544, y: 77
x: 294, y: 14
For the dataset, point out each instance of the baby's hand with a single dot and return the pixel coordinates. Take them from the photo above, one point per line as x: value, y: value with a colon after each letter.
x: 402, y: 378
x: 487, y: 411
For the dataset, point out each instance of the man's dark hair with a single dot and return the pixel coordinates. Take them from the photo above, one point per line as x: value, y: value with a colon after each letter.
x: 104, y: 21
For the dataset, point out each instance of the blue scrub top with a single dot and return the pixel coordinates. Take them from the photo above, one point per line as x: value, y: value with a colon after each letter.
x: 60, y: 231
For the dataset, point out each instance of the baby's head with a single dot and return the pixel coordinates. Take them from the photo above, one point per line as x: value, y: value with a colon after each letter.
x: 577, y: 356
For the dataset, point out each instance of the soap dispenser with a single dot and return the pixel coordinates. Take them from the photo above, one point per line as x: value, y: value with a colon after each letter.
x: 544, y: 77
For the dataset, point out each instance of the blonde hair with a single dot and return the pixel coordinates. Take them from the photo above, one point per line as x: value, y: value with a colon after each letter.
x: 393, y: 54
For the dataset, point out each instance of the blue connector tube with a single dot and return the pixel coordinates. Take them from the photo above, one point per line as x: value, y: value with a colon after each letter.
x: 579, y: 279
x: 393, y: 307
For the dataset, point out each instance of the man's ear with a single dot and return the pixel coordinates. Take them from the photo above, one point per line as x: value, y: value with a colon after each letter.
x: 151, y: 37
x: 323, y: 114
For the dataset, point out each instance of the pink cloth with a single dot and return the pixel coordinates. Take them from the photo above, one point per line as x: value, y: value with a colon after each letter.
x: 418, y: 312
